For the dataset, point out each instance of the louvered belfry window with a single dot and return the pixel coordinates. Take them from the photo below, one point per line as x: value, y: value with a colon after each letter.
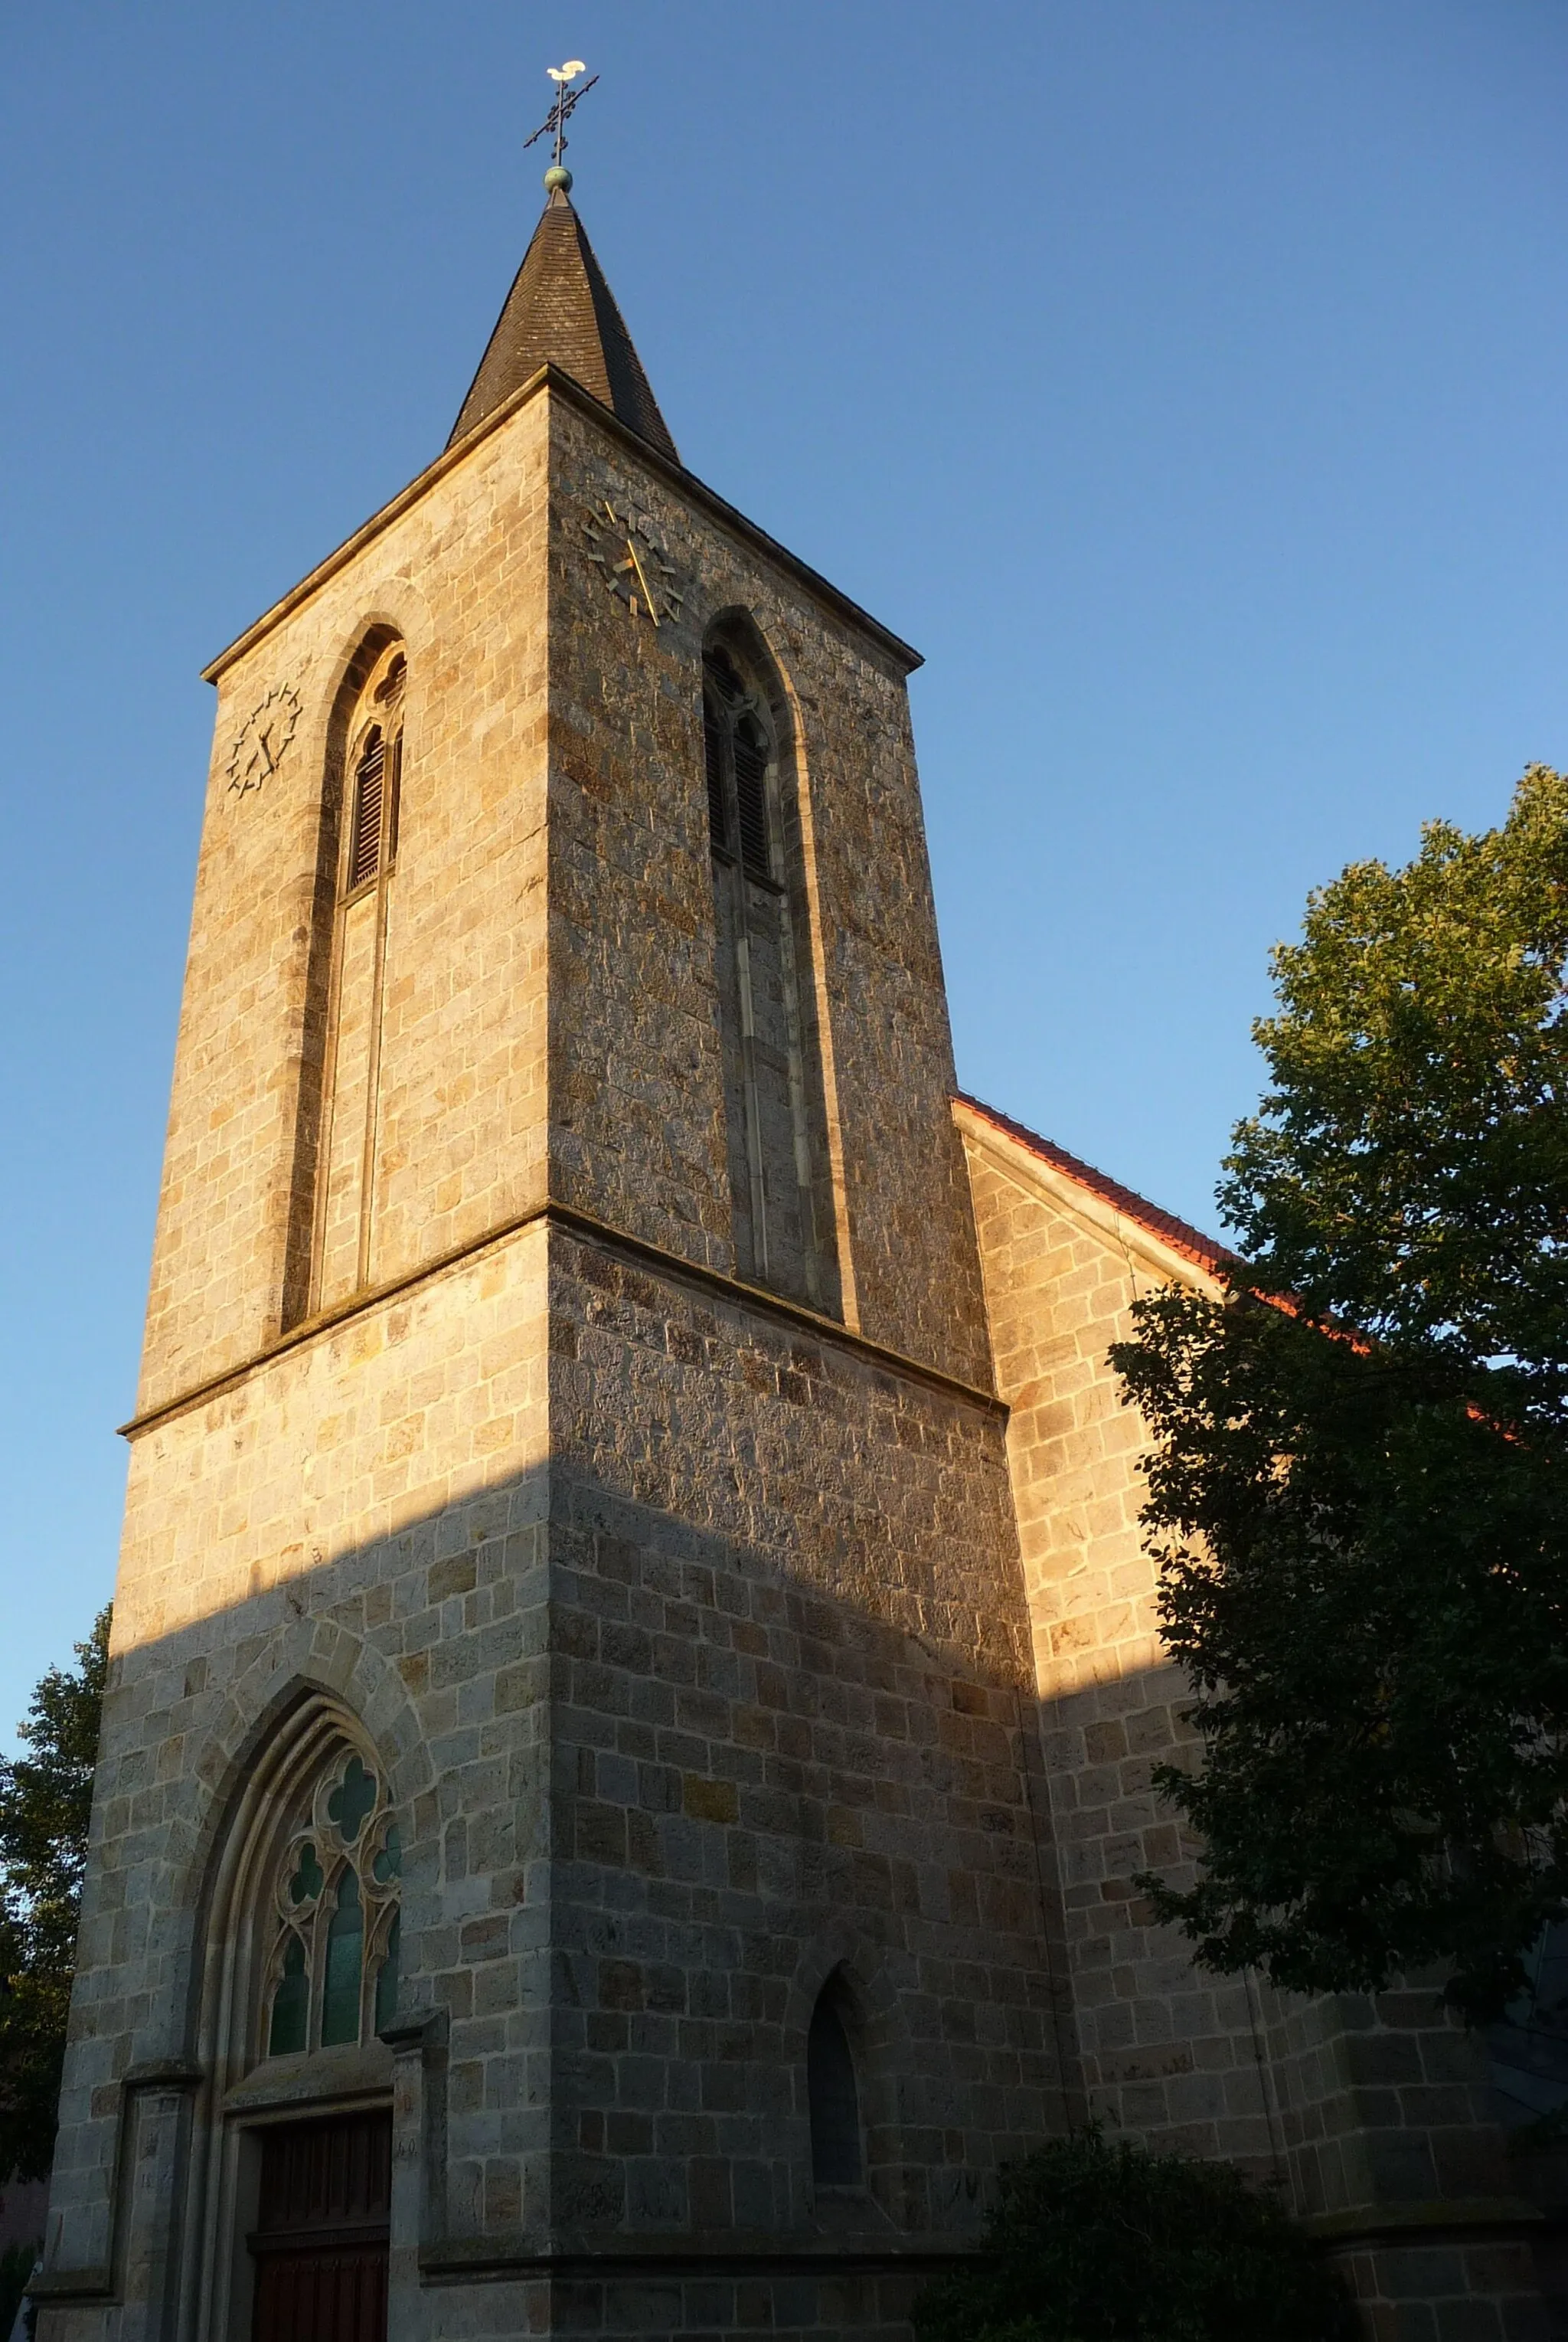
x: 718, y: 796
x: 377, y: 767
x: 369, y: 806
x: 737, y: 753
x: 750, y: 751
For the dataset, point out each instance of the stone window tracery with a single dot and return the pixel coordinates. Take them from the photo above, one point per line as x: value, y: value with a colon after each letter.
x: 330, y: 1979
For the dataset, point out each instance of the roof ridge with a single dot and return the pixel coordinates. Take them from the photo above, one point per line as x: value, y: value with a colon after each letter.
x: 1207, y: 1252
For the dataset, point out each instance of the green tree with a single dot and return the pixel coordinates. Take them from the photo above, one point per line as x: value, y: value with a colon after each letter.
x: 1357, y: 1488
x: 46, y: 1801
x: 16, y: 2268
x: 1095, y: 2241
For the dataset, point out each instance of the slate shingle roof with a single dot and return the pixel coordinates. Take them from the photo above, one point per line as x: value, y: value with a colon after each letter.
x: 561, y: 312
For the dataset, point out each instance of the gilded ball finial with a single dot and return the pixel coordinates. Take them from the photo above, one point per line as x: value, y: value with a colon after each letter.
x: 558, y: 175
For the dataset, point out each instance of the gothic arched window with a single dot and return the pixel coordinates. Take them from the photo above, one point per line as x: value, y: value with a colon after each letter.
x: 832, y: 2096
x: 774, y: 1107
x: 369, y: 805
x: 347, y: 1126
x: 376, y: 759
x: 330, y: 1979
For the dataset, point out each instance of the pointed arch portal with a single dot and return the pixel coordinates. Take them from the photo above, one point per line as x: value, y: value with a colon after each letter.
x: 292, y: 2168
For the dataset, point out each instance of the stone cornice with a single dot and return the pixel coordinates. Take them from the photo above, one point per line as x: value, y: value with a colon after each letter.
x: 724, y: 2253
x: 727, y: 2254
x: 687, y: 484
x: 1441, y: 2220
x: 565, y: 1217
x: 1027, y: 1171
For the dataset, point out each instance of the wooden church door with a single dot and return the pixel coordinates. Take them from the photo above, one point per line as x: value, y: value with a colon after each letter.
x: 320, y: 2241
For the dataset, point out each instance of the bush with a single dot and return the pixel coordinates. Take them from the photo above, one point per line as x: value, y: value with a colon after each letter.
x: 1091, y: 2241
x: 16, y: 2268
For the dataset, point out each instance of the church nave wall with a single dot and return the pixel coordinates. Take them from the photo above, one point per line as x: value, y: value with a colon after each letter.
x: 1374, y: 2111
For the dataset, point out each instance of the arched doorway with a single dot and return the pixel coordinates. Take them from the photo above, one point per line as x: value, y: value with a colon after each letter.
x: 291, y: 2173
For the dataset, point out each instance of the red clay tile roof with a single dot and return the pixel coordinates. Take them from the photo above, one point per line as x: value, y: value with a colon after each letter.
x: 1190, y: 1242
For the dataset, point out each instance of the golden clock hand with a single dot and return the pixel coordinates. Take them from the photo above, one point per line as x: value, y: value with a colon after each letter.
x: 643, y: 582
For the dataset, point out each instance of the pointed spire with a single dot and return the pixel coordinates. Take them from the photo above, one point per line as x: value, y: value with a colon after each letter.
x: 561, y: 312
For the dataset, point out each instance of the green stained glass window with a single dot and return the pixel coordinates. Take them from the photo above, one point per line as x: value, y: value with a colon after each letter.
x: 344, y: 1965
x: 290, y: 2004
x: 387, y: 1980
x: 351, y: 1799
x: 334, y: 1898
x: 388, y: 1862
x: 307, y: 1882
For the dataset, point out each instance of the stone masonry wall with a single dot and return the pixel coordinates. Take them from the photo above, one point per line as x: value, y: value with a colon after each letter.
x: 1166, y: 2052
x: 789, y: 1652
x: 1354, y: 2103
x: 460, y: 573
x: 695, y: 1659
x: 461, y: 1145
x: 365, y: 1513
x: 757, y: 1596
x: 690, y: 1633
x: 636, y: 1077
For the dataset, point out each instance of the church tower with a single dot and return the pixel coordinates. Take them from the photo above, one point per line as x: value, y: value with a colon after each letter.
x: 567, y: 1848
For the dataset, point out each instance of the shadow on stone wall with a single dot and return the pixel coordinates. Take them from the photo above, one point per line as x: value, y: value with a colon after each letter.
x: 655, y: 1790
x: 1378, y: 2114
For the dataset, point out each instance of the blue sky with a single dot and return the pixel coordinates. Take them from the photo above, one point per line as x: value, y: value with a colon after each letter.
x: 1183, y: 376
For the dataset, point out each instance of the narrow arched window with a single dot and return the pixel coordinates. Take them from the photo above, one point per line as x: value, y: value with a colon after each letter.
x: 344, y: 1134
x: 342, y: 1989
x: 775, y: 1104
x: 832, y: 2096
x: 719, y: 830
x: 331, y: 1977
x: 377, y: 773
x: 290, y: 2002
x: 332, y: 1189
x: 738, y: 752
x: 749, y: 750
x: 369, y: 805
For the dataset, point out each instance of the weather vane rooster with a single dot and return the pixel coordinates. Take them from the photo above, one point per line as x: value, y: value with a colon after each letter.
x: 554, y: 122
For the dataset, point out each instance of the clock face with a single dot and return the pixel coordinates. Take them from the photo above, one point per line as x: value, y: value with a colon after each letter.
x: 632, y: 562
x: 263, y: 742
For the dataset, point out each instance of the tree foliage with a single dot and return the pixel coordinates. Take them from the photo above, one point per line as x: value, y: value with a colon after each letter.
x: 1357, y: 1492
x: 16, y: 2268
x: 1098, y: 2241
x: 46, y: 1803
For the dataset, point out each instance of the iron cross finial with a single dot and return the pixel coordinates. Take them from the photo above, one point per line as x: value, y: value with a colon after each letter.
x: 555, y: 122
